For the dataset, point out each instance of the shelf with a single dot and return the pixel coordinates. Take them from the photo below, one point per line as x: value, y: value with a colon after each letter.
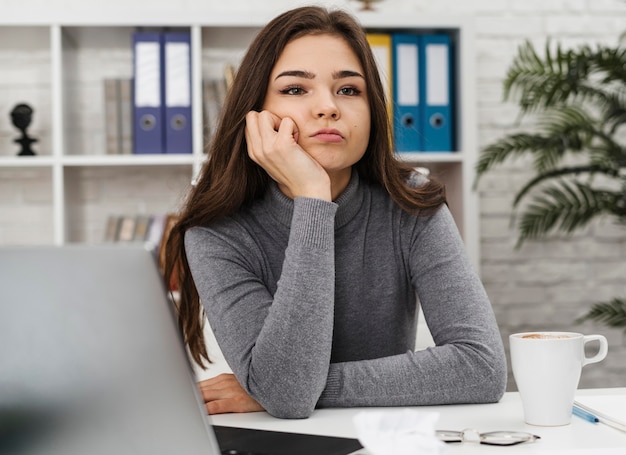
x: 129, y: 160
x: 423, y: 157
x: 26, y: 161
x: 98, y: 160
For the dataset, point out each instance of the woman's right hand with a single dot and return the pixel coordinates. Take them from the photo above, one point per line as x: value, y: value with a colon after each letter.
x: 273, y: 145
x: 223, y: 394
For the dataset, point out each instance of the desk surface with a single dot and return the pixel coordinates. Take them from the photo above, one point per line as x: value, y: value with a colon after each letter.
x: 580, y: 437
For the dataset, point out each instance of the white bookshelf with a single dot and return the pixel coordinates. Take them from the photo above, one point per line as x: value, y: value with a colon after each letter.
x: 57, y: 62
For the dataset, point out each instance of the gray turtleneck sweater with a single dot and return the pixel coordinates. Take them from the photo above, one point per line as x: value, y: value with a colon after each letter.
x: 314, y: 303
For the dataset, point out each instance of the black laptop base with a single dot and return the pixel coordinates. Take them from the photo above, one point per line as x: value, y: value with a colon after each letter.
x: 244, y: 441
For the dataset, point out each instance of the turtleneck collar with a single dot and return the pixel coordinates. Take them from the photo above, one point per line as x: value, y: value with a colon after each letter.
x: 349, y: 202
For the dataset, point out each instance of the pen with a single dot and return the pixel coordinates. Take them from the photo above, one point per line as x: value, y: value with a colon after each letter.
x: 584, y: 414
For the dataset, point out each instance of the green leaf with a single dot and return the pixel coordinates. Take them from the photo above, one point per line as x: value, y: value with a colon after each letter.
x: 603, y: 167
x: 611, y: 313
x: 563, y: 205
x: 562, y: 76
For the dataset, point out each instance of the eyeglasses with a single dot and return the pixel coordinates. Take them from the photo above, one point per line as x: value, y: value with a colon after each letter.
x: 493, y: 438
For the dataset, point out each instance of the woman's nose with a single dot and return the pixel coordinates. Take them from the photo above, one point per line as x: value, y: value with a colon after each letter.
x: 326, y: 106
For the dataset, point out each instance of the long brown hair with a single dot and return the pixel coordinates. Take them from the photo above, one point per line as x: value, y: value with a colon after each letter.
x: 230, y: 179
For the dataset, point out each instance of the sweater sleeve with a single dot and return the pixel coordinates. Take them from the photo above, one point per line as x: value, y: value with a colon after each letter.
x: 279, y: 345
x: 468, y: 363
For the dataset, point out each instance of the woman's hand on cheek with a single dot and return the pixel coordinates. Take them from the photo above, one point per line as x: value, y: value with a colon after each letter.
x: 273, y: 145
x: 223, y: 394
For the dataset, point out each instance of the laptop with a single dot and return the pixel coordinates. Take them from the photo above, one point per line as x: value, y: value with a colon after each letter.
x: 91, y: 361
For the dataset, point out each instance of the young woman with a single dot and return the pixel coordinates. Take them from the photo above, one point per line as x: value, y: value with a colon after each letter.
x: 308, y: 244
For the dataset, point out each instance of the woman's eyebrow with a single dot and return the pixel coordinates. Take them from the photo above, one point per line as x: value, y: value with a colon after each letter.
x: 347, y: 73
x: 308, y: 75
x: 296, y: 73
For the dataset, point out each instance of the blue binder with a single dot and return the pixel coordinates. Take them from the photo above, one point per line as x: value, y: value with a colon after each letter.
x: 436, y: 93
x: 177, y: 90
x: 147, y: 93
x: 406, y: 96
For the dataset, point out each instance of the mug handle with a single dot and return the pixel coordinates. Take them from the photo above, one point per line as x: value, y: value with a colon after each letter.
x: 604, y: 348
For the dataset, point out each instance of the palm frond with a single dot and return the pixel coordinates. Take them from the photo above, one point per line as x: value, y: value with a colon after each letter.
x: 567, y: 128
x: 560, y: 130
x: 611, y: 313
x: 508, y: 147
x: 609, y: 100
x: 541, y: 82
x: 608, y: 154
x: 560, y: 75
x: 611, y: 62
x: 605, y: 168
x: 565, y: 206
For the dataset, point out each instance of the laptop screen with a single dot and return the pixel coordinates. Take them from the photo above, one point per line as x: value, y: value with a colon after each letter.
x: 91, y: 359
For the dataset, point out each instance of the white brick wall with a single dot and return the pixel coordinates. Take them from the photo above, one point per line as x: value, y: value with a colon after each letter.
x: 543, y: 285
x: 25, y: 206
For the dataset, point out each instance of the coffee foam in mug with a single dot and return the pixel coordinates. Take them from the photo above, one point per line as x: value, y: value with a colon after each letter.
x: 544, y: 336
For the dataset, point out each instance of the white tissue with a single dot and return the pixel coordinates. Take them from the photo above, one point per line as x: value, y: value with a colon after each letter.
x: 398, y: 432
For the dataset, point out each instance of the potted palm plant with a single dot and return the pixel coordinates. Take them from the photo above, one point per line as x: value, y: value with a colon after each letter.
x: 576, y: 102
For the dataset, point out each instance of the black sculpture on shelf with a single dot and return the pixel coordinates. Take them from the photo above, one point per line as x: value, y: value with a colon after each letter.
x: 21, y: 116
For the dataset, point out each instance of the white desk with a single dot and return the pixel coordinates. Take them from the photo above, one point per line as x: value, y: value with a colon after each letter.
x: 580, y: 437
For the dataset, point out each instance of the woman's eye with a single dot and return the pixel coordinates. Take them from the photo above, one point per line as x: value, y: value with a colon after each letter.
x: 349, y: 91
x: 295, y: 90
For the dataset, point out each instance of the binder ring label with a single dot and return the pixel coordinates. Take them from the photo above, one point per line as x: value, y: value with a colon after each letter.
x: 437, y: 121
x: 408, y: 121
x: 178, y: 122
x: 147, y: 122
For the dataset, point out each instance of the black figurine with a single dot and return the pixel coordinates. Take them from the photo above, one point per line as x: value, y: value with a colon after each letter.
x: 21, y: 116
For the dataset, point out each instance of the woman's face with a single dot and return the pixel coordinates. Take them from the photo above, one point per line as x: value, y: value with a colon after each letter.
x: 319, y: 83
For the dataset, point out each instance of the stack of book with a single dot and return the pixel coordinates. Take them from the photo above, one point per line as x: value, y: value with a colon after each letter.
x: 149, y: 229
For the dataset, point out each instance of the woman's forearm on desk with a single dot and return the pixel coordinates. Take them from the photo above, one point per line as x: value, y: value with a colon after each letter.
x: 454, y: 374
x: 278, y: 345
x: 468, y: 365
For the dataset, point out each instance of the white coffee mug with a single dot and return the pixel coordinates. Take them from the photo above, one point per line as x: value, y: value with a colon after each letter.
x: 547, y: 367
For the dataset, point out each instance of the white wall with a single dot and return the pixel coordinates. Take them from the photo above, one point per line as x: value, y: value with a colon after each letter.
x: 545, y: 285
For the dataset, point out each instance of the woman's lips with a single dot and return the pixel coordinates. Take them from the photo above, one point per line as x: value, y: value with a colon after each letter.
x: 328, y: 135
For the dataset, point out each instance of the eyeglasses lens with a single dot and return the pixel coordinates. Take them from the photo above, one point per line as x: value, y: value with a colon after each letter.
x: 450, y: 436
x: 495, y: 438
x: 506, y: 438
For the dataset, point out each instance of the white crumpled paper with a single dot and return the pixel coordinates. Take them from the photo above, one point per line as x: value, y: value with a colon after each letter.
x: 398, y: 432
